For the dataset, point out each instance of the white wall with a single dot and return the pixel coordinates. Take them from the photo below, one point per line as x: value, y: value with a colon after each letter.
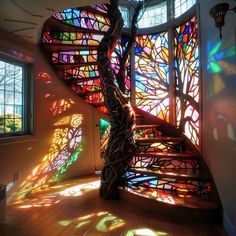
x: 218, y: 62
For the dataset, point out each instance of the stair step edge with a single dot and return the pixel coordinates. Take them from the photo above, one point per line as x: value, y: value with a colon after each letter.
x: 146, y: 126
x: 167, y: 155
x: 160, y: 139
x: 202, y: 204
x: 187, y: 176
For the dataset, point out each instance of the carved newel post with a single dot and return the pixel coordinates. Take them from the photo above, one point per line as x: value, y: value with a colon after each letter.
x: 121, y: 144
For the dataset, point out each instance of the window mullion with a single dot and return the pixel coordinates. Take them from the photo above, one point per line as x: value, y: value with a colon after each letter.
x: 132, y: 77
x: 172, y: 82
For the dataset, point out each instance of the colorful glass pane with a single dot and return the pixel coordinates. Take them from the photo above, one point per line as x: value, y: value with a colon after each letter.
x: 74, y: 57
x: 88, y: 85
x: 115, y: 61
x: 152, y: 74
x: 100, y: 7
x: 105, y: 128
x: 82, y: 72
x: 72, y: 38
x: 83, y: 19
x: 187, y: 79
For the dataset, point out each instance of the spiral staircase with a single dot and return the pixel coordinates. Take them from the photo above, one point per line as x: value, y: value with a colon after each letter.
x: 167, y: 175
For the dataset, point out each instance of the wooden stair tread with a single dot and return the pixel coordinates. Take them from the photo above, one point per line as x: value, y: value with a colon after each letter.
x: 99, y: 104
x: 159, y: 139
x: 87, y: 93
x: 180, y: 155
x: 72, y: 65
x: 144, y: 126
x: 174, y: 199
x: 183, y: 174
x: 67, y: 47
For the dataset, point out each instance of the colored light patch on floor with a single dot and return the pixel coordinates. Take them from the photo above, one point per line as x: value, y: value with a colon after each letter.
x: 80, y: 189
x: 144, y: 231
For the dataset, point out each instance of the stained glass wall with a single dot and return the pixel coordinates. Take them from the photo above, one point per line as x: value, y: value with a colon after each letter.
x: 115, y: 61
x: 187, y: 79
x: 153, y: 61
x: 152, y: 74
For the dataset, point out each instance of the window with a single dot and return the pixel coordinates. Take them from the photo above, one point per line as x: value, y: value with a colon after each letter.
x: 15, y: 109
x: 153, y: 15
x: 182, y: 6
x: 125, y: 15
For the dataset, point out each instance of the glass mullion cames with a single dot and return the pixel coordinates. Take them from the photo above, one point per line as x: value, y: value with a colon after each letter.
x: 172, y: 80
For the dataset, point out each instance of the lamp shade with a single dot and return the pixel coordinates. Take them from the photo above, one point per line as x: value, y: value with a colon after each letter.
x: 218, y: 13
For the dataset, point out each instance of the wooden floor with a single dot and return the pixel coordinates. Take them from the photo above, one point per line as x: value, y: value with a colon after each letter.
x: 75, y: 208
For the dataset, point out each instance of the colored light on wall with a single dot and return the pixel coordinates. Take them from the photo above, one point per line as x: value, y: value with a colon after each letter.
x: 64, y: 150
x: 215, y: 68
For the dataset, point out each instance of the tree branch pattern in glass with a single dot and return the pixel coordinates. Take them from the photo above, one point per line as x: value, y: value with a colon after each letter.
x: 187, y: 79
x: 116, y: 58
x: 152, y: 74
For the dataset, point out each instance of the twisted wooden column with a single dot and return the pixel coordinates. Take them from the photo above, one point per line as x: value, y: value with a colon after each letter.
x: 121, y: 145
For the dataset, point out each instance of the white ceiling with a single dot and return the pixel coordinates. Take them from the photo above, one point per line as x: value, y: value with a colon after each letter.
x: 25, y: 18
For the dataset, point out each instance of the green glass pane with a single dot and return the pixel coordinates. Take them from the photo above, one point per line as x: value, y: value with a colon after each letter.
x: 103, y: 126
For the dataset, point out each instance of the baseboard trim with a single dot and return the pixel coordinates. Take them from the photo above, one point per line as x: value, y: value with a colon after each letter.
x: 229, y: 227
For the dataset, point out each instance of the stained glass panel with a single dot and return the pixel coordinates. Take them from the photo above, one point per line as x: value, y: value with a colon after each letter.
x: 152, y: 74
x: 105, y: 128
x: 83, y: 19
x: 82, y: 72
x: 100, y: 7
x: 115, y: 61
x: 74, y: 57
x: 72, y: 38
x: 187, y: 79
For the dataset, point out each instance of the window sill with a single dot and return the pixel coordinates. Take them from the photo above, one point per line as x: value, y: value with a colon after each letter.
x: 17, y: 138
